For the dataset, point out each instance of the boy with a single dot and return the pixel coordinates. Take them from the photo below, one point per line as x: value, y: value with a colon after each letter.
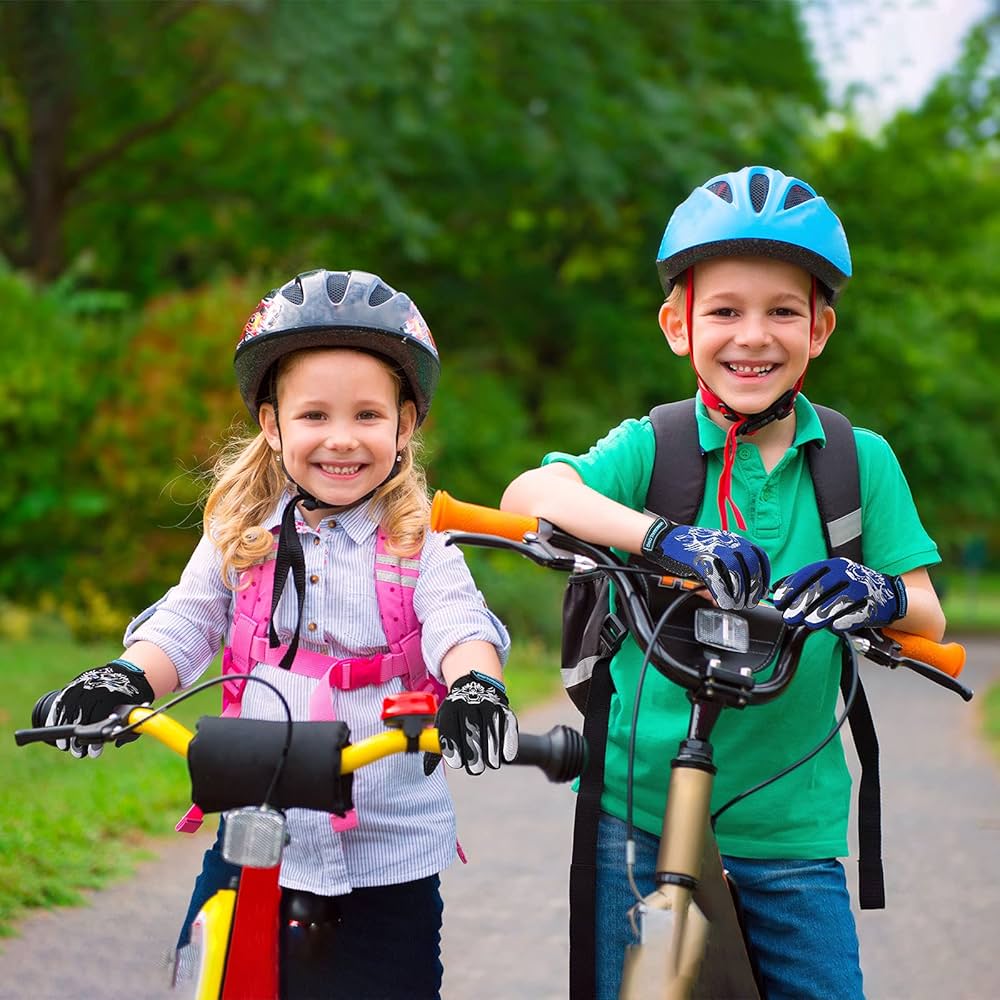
x: 751, y: 263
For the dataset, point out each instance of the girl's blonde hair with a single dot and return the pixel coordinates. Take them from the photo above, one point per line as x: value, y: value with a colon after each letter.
x: 249, y: 482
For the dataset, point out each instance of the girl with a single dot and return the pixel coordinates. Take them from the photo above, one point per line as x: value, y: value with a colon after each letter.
x: 338, y: 370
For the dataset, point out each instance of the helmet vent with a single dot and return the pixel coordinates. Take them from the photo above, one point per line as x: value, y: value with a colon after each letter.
x: 293, y: 292
x: 380, y: 293
x: 336, y: 286
x: 796, y: 195
x: 759, y: 186
x: 723, y: 190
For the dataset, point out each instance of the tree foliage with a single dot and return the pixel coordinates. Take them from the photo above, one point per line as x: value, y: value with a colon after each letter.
x: 511, y: 165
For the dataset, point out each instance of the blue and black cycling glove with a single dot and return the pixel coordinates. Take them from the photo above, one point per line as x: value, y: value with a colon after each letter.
x: 736, y: 572
x: 840, y: 594
x: 93, y: 696
x: 476, y: 725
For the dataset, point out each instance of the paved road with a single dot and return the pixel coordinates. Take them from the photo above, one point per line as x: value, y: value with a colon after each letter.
x: 506, y: 913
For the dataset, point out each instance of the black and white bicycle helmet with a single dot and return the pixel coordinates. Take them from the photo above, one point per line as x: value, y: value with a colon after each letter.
x: 337, y: 309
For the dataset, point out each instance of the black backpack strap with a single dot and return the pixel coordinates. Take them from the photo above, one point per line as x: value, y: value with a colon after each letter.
x: 678, y: 479
x: 678, y: 483
x: 837, y: 483
x: 583, y: 868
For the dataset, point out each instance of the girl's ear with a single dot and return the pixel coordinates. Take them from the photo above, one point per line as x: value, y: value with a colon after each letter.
x: 673, y: 323
x: 407, y: 423
x: 269, y: 425
x: 826, y: 323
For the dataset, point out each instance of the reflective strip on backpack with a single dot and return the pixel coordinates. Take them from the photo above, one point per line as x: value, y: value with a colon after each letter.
x: 843, y: 529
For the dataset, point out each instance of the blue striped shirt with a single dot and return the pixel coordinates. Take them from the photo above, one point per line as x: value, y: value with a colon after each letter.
x: 406, y: 827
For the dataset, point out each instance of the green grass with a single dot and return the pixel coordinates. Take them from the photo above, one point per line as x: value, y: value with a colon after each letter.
x: 68, y: 825
x: 990, y: 708
x: 971, y: 602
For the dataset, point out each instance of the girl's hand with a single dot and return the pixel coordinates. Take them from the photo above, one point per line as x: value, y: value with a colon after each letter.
x: 93, y: 696
x: 476, y: 726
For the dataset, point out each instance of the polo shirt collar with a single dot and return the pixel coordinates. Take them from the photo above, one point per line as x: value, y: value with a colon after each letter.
x: 359, y: 522
x: 712, y: 437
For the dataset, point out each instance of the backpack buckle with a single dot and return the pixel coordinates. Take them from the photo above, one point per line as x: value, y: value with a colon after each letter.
x: 612, y: 632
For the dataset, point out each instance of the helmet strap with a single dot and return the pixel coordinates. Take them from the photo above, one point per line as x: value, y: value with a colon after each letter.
x: 289, y: 555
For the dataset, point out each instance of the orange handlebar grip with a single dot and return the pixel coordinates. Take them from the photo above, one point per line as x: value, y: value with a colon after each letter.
x: 948, y: 657
x: 449, y: 514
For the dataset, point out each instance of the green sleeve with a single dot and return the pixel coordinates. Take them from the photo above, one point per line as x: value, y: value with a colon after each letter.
x: 893, y: 536
x: 619, y: 465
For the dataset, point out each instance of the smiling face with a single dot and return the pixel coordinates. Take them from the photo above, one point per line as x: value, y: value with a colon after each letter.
x: 341, y: 424
x: 751, y: 340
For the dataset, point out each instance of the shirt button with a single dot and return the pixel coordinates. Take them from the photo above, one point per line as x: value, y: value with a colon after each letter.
x: 316, y: 540
x: 331, y: 524
x: 311, y: 626
x: 314, y: 578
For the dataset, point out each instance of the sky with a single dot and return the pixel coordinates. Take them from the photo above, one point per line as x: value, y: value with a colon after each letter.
x: 896, y: 47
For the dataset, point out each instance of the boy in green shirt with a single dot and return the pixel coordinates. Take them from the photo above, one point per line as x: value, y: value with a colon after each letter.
x: 751, y: 264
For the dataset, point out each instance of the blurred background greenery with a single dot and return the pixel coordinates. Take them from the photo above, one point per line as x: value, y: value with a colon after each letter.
x: 509, y: 164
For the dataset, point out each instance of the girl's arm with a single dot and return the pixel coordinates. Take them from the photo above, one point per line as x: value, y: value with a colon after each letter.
x: 557, y: 493
x: 158, y: 667
x: 468, y: 656
x: 924, y: 615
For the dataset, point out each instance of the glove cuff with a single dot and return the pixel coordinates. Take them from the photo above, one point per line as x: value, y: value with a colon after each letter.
x: 658, y: 530
x: 137, y: 676
x: 899, y: 588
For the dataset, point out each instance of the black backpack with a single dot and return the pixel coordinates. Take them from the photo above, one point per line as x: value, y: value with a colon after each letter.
x: 592, y: 634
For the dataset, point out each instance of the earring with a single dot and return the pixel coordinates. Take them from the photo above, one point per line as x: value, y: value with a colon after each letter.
x: 399, y: 457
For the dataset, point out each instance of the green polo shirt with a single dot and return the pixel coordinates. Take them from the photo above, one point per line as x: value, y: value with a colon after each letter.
x: 804, y: 814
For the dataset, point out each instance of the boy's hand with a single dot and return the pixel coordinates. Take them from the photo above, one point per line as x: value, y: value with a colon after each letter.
x: 93, y: 696
x: 736, y: 572
x: 841, y: 594
x: 476, y: 726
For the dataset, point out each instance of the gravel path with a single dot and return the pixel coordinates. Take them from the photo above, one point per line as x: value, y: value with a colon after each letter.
x: 506, y: 912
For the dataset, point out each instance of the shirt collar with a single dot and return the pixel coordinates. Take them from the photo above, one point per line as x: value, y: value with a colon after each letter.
x: 712, y: 437
x: 358, y: 522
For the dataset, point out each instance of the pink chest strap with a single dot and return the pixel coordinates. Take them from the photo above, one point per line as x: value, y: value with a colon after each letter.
x: 395, y: 581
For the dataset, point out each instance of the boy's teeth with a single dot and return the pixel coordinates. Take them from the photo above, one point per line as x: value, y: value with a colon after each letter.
x: 750, y: 369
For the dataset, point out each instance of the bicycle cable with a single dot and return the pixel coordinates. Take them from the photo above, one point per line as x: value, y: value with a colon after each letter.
x: 222, y: 679
x: 848, y: 703
x: 629, y: 827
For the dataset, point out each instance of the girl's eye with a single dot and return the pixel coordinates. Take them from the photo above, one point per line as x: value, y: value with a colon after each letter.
x: 368, y: 415
x: 313, y: 415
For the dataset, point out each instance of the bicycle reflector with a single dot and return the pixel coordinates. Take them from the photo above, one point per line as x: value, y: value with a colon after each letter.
x: 721, y: 630
x: 254, y: 837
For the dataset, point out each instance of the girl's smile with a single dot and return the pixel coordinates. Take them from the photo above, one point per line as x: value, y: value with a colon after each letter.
x: 338, y: 424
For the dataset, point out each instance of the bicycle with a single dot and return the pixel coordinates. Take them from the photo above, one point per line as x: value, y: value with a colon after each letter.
x: 252, y: 770
x: 690, y: 938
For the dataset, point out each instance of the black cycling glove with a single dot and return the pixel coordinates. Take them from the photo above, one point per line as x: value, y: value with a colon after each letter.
x: 841, y: 594
x: 736, y: 572
x: 93, y: 696
x: 476, y: 726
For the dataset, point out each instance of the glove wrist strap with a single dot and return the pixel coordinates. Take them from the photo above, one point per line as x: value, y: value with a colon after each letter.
x: 661, y: 527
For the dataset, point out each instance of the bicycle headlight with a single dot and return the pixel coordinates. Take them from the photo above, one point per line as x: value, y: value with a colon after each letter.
x: 721, y: 630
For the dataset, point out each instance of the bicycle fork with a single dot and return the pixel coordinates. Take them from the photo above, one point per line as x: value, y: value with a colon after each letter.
x: 691, y: 894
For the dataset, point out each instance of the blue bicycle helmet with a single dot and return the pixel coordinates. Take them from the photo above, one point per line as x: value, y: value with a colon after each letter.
x: 337, y: 309
x: 756, y: 211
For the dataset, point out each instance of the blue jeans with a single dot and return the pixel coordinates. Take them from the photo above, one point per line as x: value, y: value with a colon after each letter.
x: 384, y: 944
x: 798, y: 918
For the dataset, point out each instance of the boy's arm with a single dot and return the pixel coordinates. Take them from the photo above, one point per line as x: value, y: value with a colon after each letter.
x: 557, y: 493
x: 924, y: 615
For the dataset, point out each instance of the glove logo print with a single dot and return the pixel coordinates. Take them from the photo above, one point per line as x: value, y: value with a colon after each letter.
x: 476, y: 694
x: 107, y: 679
x: 708, y: 541
x: 875, y: 583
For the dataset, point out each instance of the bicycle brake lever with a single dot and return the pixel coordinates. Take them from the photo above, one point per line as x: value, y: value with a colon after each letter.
x: 533, y: 547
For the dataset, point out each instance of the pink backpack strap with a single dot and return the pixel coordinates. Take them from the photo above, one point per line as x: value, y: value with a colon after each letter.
x: 395, y: 582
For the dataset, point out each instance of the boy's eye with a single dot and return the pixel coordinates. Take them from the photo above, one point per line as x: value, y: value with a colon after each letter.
x: 724, y: 311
